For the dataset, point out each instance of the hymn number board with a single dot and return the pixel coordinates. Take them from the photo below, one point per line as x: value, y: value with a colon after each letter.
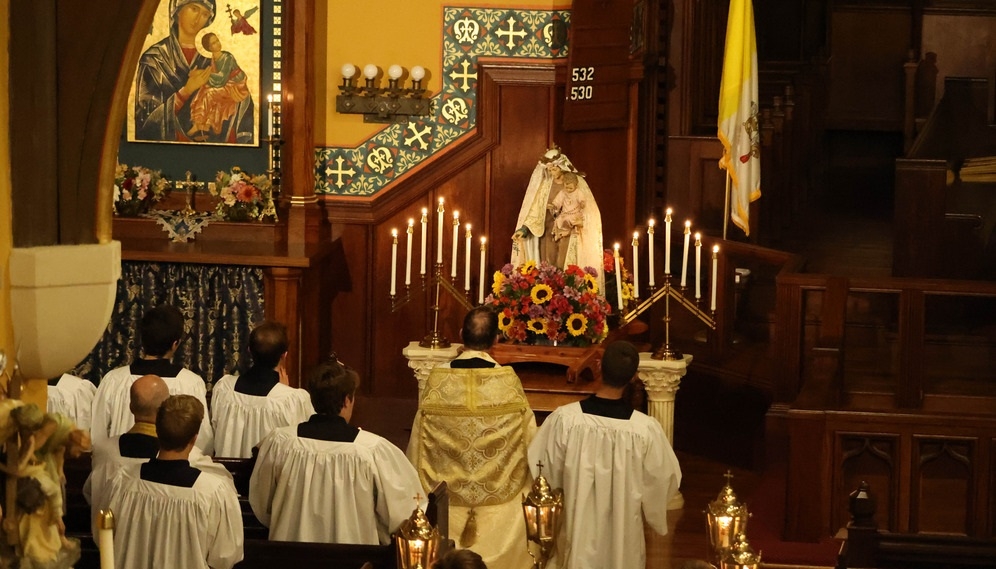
x: 597, y: 90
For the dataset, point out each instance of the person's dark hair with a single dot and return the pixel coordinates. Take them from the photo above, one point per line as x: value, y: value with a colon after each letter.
x: 460, y: 559
x: 329, y: 385
x: 619, y: 363
x: 178, y: 421
x: 161, y: 327
x: 268, y: 343
x: 480, y: 328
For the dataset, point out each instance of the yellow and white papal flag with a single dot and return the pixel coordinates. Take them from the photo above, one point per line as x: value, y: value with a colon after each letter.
x: 738, y: 113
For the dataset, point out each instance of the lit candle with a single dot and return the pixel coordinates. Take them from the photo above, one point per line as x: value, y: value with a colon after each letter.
x: 667, y: 242
x: 698, y: 266
x: 408, y: 261
x: 684, y: 255
x: 439, y: 232
x: 456, y: 243
x: 105, y: 538
x: 269, y: 124
x: 636, y: 264
x: 466, y: 262
x: 715, y: 277
x: 484, y: 248
x: 394, y: 262
x: 650, y: 248
x: 618, y: 279
x: 425, y: 221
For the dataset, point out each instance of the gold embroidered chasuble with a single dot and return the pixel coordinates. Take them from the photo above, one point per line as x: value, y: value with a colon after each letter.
x: 472, y: 431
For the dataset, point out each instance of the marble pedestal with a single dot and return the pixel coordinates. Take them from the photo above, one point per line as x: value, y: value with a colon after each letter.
x: 422, y: 360
x: 661, y: 379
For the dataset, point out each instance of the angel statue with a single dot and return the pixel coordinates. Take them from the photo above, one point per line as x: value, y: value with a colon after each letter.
x: 559, y: 222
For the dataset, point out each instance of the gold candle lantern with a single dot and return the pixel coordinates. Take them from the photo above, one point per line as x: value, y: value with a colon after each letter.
x: 542, y: 509
x: 726, y: 518
x: 740, y: 555
x: 417, y: 542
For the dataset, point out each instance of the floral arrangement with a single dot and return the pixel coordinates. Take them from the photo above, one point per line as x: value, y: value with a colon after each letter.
x: 609, y: 267
x: 243, y: 197
x: 544, y: 304
x: 136, y: 188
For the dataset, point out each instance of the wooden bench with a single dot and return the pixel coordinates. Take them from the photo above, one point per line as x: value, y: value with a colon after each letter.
x: 865, y: 546
x: 259, y: 551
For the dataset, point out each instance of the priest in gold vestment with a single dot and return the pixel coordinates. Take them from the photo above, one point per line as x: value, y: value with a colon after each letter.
x: 472, y: 430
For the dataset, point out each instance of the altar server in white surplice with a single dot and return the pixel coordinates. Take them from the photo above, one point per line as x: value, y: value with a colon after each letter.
x: 327, y: 481
x: 246, y: 408
x: 170, y: 514
x: 72, y: 397
x: 139, y: 444
x: 615, y: 466
x: 161, y: 330
x: 472, y: 431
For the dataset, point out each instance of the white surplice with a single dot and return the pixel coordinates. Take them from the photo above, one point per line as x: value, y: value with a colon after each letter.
x: 240, y: 421
x: 73, y: 397
x: 332, y: 492
x: 615, y: 473
x: 160, y: 525
x: 106, y: 461
x: 112, y: 416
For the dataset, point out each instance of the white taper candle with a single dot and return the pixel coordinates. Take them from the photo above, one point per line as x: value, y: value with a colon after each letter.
x: 715, y: 276
x: 484, y: 248
x: 408, y: 259
x: 618, y: 278
x: 650, y: 249
x: 439, y: 233
x: 425, y: 222
x: 269, y: 122
x: 636, y: 264
x: 698, y: 266
x: 456, y: 243
x: 394, y: 262
x: 667, y: 241
x: 684, y: 255
x: 466, y: 262
x: 105, y: 538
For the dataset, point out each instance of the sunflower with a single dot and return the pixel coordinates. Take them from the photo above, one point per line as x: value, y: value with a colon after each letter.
x: 536, y: 325
x: 542, y: 293
x: 591, y: 282
x: 504, y: 321
x: 527, y: 267
x: 577, y: 324
x: 499, y: 281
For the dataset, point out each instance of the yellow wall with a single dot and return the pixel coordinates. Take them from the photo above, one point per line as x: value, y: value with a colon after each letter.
x: 382, y: 32
x: 6, y: 235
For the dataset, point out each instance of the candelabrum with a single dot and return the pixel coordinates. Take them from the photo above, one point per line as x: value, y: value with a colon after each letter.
x: 437, y: 283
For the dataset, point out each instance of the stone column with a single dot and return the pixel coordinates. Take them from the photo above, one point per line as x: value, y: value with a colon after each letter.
x: 422, y: 360
x: 661, y: 379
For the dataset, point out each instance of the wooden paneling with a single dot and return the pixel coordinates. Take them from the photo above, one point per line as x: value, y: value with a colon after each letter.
x: 943, y: 492
x: 696, y: 187
x: 919, y: 217
x: 871, y: 458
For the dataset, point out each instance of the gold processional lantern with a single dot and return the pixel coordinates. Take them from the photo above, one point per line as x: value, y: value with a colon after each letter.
x: 417, y: 542
x: 542, y: 508
x: 740, y: 555
x: 726, y: 518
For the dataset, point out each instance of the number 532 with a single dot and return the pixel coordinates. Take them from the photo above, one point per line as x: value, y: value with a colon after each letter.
x: 582, y: 74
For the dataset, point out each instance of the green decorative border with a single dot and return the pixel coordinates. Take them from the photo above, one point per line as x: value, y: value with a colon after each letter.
x: 468, y: 33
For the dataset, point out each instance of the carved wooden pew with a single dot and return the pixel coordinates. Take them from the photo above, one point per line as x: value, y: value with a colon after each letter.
x: 867, y: 547
x: 259, y: 551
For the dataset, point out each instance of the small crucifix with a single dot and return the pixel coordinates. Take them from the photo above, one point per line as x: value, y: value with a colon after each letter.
x: 189, y: 186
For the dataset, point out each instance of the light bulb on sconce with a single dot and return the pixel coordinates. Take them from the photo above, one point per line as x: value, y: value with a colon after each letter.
x: 348, y: 71
x: 395, y: 71
x: 370, y: 72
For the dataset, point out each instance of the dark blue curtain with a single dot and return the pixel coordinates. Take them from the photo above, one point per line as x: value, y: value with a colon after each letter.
x: 220, y: 305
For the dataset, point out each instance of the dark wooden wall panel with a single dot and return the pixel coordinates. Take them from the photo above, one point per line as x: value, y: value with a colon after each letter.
x: 943, y: 493
x: 696, y: 185
x: 867, y: 458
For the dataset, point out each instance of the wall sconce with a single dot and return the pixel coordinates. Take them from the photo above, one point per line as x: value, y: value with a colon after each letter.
x: 741, y: 556
x: 417, y: 542
x: 726, y: 519
x: 393, y: 104
x: 542, y: 508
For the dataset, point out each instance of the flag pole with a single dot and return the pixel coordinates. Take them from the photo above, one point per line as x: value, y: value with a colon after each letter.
x: 726, y: 205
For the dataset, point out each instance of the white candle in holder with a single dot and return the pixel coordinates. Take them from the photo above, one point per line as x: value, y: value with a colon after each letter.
x: 698, y: 266
x: 408, y: 259
x: 439, y: 233
x: 456, y: 243
x: 425, y: 222
x: 394, y: 262
x: 684, y: 255
x: 269, y: 124
x: 636, y: 264
x: 466, y: 262
x: 484, y: 248
x: 715, y: 276
x: 650, y: 248
x: 667, y: 241
x: 618, y: 278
